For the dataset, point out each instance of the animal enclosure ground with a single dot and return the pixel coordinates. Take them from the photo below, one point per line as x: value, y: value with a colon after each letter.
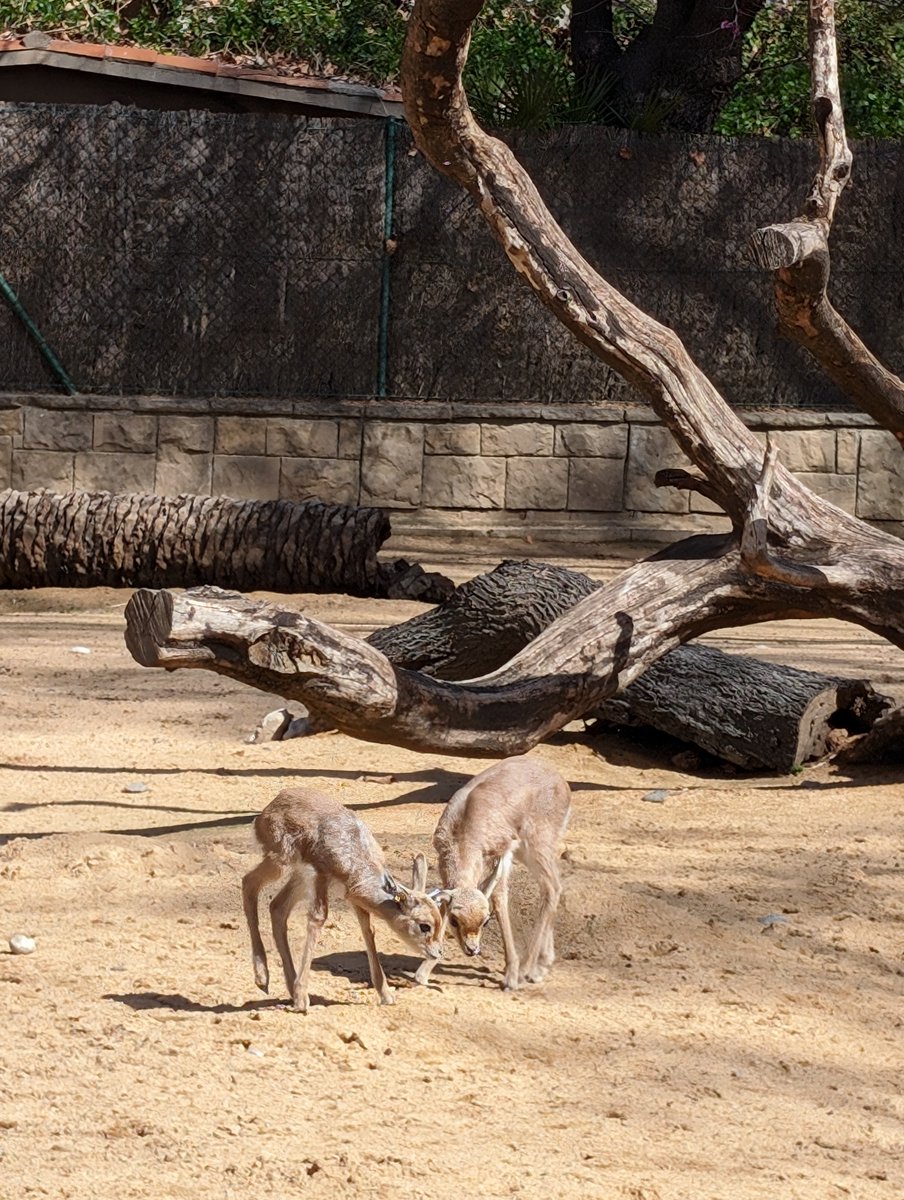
x: 680, y: 1048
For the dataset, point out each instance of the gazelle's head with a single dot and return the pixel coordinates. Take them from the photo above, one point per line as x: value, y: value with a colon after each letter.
x: 416, y: 918
x: 467, y: 910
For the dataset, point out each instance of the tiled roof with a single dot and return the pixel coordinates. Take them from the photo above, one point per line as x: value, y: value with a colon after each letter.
x: 208, y: 74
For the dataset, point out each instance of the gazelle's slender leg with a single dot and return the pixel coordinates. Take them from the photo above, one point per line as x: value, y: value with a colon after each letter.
x: 265, y: 872
x: 500, y: 902
x: 280, y: 909
x: 377, y: 978
x: 317, y: 915
x: 548, y: 952
x: 550, y: 890
x: 422, y: 974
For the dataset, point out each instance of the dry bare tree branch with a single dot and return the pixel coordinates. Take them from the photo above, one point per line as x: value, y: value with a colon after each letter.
x: 798, y: 252
x: 800, y: 555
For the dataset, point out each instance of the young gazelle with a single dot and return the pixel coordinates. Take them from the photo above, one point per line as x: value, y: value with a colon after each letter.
x: 317, y: 840
x: 516, y: 810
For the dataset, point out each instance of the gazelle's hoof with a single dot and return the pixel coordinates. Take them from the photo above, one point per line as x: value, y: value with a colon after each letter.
x: 535, y: 974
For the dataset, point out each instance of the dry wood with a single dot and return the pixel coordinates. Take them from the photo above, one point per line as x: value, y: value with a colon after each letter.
x: 751, y: 713
x: 837, y: 565
x: 884, y: 743
x: 585, y: 656
x: 95, y: 539
x: 754, y: 714
x: 798, y: 252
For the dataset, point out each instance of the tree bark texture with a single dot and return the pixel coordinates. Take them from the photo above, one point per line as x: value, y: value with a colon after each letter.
x: 95, y: 539
x: 798, y: 252
x: 791, y: 553
x: 751, y: 713
x: 485, y: 621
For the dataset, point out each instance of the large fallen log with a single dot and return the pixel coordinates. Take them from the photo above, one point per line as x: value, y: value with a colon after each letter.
x: 750, y: 713
x: 357, y: 688
x: 485, y: 621
x: 96, y: 539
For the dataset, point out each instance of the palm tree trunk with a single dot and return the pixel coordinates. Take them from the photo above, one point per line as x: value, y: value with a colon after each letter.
x: 96, y: 539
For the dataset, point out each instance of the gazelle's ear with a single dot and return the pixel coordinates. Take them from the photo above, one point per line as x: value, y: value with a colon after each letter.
x: 440, y: 896
x: 419, y: 873
x: 397, y: 891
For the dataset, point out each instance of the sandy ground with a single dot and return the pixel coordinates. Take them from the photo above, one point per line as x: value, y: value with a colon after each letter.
x: 678, y: 1050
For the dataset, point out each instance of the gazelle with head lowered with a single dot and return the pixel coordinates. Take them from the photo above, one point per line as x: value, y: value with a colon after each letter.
x: 317, y: 839
x: 515, y: 811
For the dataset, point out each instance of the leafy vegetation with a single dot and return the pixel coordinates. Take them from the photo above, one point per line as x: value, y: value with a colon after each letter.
x: 519, y: 73
x: 773, y: 96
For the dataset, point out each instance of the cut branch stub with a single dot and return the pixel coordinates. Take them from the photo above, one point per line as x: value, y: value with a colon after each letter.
x: 778, y: 246
x: 798, y: 252
x: 646, y: 353
x: 684, y: 481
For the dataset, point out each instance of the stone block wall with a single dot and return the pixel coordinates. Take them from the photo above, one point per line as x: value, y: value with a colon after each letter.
x: 546, y: 473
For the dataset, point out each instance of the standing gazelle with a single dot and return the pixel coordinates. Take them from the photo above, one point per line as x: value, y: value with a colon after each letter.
x: 516, y: 810
x: 317, y: 839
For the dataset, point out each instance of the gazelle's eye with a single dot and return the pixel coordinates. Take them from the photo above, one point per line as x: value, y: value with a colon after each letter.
x: 424, y: 928
x: 453, y: 921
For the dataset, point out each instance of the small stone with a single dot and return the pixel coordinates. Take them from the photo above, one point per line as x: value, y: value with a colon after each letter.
x: 79, y: 650
x: 272, y: 727
x: 352, y: 1038
x: 134, y: 788
x: 771, y: 919
x: 377, y: 778
x: 21, y: 943
x: 657, y: 796
x: 254, y: 1050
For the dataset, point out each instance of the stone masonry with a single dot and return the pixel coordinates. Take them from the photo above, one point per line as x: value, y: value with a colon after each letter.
x: 531, y: 472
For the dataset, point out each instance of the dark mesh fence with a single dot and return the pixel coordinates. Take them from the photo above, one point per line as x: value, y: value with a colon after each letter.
x: 192, y: 253
x: 195, y: 254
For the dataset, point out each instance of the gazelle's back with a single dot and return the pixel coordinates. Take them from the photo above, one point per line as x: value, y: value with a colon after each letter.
x: 517, y: 800
x: 304, y: 824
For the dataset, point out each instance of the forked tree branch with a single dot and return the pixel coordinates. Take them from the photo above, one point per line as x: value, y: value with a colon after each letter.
x: 646, y: 353
x: 755, y: 553
x: 799, y: 555
x: 798, y: 252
